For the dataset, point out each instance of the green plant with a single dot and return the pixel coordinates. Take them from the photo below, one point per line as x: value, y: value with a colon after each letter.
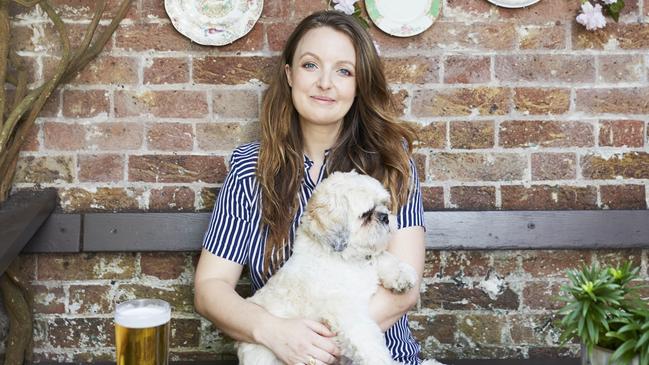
x: 603, y: 309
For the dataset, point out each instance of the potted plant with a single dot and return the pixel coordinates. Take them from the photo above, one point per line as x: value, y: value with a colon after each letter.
x: 604, y: 312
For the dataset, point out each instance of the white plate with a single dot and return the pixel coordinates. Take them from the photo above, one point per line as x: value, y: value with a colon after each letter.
x: 513, y: 3
x: 214, y: 22
x: 401, y: 20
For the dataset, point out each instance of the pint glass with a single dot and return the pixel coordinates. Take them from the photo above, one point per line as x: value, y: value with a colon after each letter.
x: 142, y: 332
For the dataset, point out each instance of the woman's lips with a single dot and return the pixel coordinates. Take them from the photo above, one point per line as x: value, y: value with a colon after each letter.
x: 323, y: 99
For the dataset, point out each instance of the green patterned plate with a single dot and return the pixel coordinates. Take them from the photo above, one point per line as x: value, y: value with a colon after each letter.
x: 214, y: 22
x: 403, y: 18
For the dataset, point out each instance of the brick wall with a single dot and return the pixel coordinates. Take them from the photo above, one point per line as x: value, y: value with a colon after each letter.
x: 515, y: 109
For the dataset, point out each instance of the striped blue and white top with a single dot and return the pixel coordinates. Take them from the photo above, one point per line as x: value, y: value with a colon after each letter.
x: 234, y: 231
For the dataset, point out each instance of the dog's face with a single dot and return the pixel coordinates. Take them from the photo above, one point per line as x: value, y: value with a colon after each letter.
x: 349, y: 213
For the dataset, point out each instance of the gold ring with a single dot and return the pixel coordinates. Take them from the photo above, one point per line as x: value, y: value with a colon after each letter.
x: 311, y: 361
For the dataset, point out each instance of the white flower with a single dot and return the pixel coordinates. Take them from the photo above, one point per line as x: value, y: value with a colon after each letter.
x: 609, y: 2
x: 591, y: 17
x: 346, y: 6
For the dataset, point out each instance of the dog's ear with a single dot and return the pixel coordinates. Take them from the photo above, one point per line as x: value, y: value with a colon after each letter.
x: 323, y: 223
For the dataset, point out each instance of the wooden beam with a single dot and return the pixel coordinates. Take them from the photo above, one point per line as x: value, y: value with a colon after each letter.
x: 20, y: 218
x: 448, y: 230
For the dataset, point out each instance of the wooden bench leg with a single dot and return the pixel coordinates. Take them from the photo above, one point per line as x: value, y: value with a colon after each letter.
x: 19, y: 342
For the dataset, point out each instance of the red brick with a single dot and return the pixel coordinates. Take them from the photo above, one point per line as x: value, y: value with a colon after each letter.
x: 615, y: 36
x: 467, y: 69
x: 171, y: 198
x: 166, y: 70
x: 554, y: 166
x: 163, y: 266
x: 633, y: 100
x: 432, y: 135
x: 275, y: 9
x: 542, y: 37
x: 153, y: 10
x: 101, y: 168
x: 554, y: 263
x: 621, y: 68
x: 411, y: 70
x: 31, y: 142
x: 85, y: 9
x: 85, y: 103
x: 64, y: 136
x: 454, y: 297
x: 80, y: 332
x: 166, y: 104
x: 461, y: 101
x: 225, y: 136
x: 306, y: 7
x: 545, y: 197
x: 476, y: 166
x: 623, y: 196
x: 620, y: 133
x: 420, y: 166
x: 505, y: 263
x: 532, y: 328
x: 546, y: 134
x: 86, y: 266
x: 473, y: 197
x: 206, y: 199
x: 617, y: 257
x: 466, y: 263
x: 474, y: 134
x: 630, y: 165
x: 432, y: 264
x: 185, y: 332
x: 235, y: 104
x: 452, y: 36
x: 79, y: 200
x: 545, y: 68
x: 46, y: 169
x: 176, y: 168
x: 546, y: 11
x: 29, y: 65
x: 400, y: 98
x: 48, y: 299
x: 432, y: 197
x: 251, y: 42
x: 152, y: 37
x: 91, y: 299
x: 463, y: 9
x: 278, y: 33
x: 108, y: 70
x: 24, y: 267
x: 542, y: 295
x: 233, y: 70
x: 180, y: 297
x: 541, y: 100
x: 442, y: 327
x: 483, y: 329
x: 170, y: 137
x: 116, y: 136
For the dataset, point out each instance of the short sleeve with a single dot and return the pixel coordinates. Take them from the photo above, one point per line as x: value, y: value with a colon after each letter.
x: 230, y: 227
x: 412, y: 213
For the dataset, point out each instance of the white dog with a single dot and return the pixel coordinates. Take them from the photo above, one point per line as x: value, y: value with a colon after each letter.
x: 339, y: 259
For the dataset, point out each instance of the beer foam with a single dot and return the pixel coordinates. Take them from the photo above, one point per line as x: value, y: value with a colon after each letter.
x: 138, y: 316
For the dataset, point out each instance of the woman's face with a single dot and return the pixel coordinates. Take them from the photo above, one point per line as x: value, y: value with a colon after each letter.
x: 322, y: 77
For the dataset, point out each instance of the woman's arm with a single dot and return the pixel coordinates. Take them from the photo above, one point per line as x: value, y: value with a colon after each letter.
x: 292, y: 340
x: 387, y: 307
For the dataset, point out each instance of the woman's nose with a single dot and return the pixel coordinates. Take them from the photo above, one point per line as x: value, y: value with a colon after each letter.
x: 324, y: 81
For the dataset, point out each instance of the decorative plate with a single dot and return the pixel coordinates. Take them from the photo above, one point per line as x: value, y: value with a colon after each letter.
x: 398, y: 19
x: 214, y: 22
x: 513, y: 3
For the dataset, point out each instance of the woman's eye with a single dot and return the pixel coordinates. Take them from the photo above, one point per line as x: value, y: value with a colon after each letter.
x: 345, y: 72
x: 309, y: 65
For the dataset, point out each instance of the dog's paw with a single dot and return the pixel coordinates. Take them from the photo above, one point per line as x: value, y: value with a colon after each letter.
x: 402, y: 279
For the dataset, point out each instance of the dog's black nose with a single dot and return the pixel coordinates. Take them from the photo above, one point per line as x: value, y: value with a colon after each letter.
x: 383, y: 218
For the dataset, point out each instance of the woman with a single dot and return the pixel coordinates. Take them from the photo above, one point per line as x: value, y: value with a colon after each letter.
x: 328, y: 109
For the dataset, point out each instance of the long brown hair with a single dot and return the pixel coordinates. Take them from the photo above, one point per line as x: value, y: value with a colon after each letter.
x: 371, y: 139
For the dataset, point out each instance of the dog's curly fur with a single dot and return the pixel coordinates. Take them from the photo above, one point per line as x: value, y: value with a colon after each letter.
x: 339, y: 259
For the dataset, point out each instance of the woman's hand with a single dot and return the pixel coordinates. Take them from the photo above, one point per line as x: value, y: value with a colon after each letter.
x: 300, y: 341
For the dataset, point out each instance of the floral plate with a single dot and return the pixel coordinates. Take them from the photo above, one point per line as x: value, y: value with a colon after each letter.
x: 513, y: 3
x: 397, y: 19
x: 214, y: 22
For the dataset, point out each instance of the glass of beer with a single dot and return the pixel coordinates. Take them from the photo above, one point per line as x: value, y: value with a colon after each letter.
x: 142, y: 332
